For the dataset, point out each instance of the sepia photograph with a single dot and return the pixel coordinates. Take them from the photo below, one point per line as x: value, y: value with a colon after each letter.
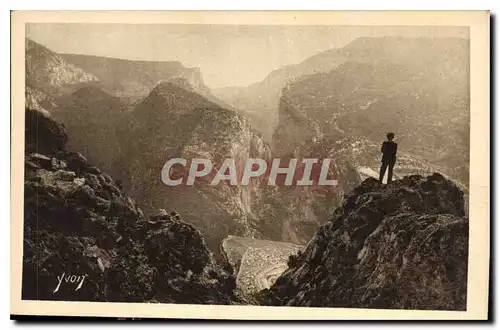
x: 318, y: 162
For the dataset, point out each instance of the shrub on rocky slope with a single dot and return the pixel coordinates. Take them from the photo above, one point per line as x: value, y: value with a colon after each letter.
x: 402, y: 246
x: 79, y: 228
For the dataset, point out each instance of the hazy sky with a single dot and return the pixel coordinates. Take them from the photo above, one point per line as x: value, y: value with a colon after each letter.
x: 227, y: 55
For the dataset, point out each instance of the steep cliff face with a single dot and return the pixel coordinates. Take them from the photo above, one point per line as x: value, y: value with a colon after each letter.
x: 48, y: 75
x: 403, y: 245
x: 38, y: 100
x: 84, y: 239
x: 173, y: 122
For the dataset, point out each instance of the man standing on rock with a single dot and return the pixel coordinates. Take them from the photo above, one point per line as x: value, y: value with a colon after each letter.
x: 389, y: 150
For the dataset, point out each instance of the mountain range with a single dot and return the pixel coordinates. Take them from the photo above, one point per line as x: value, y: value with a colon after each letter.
x: 127, y: 118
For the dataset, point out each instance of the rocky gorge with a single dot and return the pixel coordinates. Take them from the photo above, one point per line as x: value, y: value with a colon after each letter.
x: 402, y: 245
x: 100, y: 225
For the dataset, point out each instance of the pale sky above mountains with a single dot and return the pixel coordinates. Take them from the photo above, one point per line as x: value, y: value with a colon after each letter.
x: 228, y: 55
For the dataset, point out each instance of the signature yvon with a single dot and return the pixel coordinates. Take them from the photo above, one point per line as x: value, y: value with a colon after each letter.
x: 69, y: 278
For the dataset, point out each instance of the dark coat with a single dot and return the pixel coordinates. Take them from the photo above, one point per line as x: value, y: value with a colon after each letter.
x: 389, y: 150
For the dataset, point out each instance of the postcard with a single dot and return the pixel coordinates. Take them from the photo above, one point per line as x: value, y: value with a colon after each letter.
x: 251, y: 165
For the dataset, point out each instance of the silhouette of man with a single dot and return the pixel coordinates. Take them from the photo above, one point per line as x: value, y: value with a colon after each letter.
x: 389, y: 150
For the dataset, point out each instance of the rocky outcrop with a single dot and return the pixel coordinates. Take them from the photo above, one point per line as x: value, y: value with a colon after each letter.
x: 84, y: 239
x: 48, y: 73
x: 397, y: 246
x: 37, y: 100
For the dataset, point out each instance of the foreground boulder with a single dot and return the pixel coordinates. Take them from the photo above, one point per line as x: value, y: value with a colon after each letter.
x: 397, y: 246
x: 84, y: 239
